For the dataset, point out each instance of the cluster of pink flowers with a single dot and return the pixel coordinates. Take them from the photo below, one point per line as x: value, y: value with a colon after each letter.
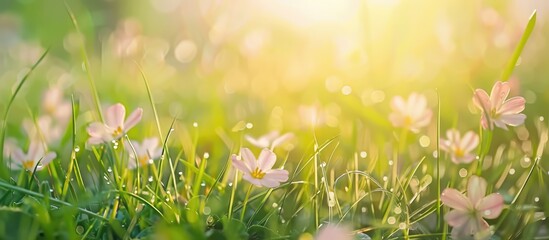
x: 467, y: 218
x: 46, y: 130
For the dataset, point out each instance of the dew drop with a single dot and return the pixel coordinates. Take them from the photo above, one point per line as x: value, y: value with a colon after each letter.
x: 536, y: 199
x: 249, y: 125
x: 79, y: 230
x: 385, y: 178
x: 390, y: 162
x: 77, y: 149
x: 51, y: 190
x: 109, y: 169
x: 323, y: 164
x: 151, y: 179
x: 206, y: 155
x: 180, y: 173
x: 230, y: 184
x: 402, y: 226
x: 207, y: 210
x: 346, y: 90
x: 487, y: 212
x: 363, y: 209
x: 203, y: 184
x: 275, y: 205
x: 363, y: 154
x: 397, y: 210
x: 195, y: 124
x: 463, y: 172
x: 512, y: 171
x: 391, y: 220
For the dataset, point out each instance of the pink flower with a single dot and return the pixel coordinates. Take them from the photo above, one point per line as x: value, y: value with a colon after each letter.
x: 496, y: 110
x: 56, y: 106
x: 36, y: 157
x: 334, y: 232
x: 146, y: 152
x: 43, y: 129
x: 458, y: 147
x: 114, y: 126
x: 412, y: 114
x: 259, y: 172
x: 467, y: 215
x: 271, y: 139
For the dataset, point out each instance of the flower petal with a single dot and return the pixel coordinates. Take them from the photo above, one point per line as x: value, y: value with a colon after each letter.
x: 490, y: 206
x: 95, y: 140
x: 18, y: 155
x: 277, y: 175
x: 457, y: 218
x: 476, y: 189
x: 282, y: 139
x: 260, y: 142
x: 513, y: 119
x: 45, y: 160
x: 252, y: 180
x: 270, y: 183
x: 36, y: 150
x: 266, y: 159
x: 513, y: 105
x: 133, y: 119
x: 240, y: 165
x: 96, y: 129
x: 469, y: 141
x: 455, y: 199
x: 114, y: 115
x: 499, y: 93
x: 248, y: 158
x: 482, y: 100
x: 398, y: 104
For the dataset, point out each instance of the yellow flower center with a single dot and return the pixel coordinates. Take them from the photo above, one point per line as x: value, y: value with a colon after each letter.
x: 117, y: 132
x: 143, y: 160
x: 459, y: 152
x: 257, y: 173
x: 408, y: 121
x: 29, y: 164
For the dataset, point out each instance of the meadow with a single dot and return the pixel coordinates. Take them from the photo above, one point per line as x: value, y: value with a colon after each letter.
x: 362, y: 119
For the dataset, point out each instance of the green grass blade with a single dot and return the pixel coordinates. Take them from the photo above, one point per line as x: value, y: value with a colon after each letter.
x: 86, y: 61
x: 6, y: 185
x: 518, y: 50
x: 4, y: 174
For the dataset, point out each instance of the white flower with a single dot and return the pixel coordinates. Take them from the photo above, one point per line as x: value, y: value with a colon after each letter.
x: 147, y: 151
x: 412, y: 114
x: 259, y: 172
x: 36, y: 157
x: 114, y: 126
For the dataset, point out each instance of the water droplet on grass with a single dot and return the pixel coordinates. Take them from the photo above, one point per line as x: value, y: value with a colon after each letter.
x: 77, y: 149
x: 151, y: 179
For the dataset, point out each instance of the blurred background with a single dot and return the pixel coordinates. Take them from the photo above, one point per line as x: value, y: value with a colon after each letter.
x: 283, y: 65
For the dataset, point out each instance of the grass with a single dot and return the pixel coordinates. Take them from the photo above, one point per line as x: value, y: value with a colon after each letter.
x: 348, y: 165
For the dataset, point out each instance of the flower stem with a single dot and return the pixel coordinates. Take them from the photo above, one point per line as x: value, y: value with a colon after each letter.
x: 245, y: 203
x: 484, y: 148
